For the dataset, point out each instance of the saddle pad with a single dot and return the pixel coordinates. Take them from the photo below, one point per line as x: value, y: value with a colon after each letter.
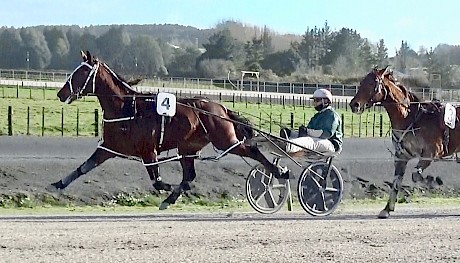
x: 450, y: 115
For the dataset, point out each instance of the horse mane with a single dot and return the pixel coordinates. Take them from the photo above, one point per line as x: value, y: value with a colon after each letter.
x: 121, y: 80
x: 428, y: 106
x: 409, y: 94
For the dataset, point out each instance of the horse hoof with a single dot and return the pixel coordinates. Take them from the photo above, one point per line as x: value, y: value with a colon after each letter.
x: 159, y: 186
x: 384, y: 214
x: 164, y: 206
x: 439, y: 180
x: 54, y: 187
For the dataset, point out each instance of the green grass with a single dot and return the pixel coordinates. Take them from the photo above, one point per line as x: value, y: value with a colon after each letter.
x: 227, y: 206
x: 39, y: 112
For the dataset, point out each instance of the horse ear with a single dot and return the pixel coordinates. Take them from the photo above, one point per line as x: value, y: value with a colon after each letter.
x: 88, y: 55
x: 83, y: 55
x: 382, y: 71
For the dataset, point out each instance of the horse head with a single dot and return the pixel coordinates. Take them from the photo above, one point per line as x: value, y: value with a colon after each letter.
x: 370, y: 91
x: 81, y: 81
x: 380, y: 86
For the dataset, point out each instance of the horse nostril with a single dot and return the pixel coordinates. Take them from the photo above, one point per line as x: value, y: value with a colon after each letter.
x: 354, y: 105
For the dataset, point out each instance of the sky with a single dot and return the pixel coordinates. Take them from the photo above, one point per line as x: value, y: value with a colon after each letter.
x: 420, y: 23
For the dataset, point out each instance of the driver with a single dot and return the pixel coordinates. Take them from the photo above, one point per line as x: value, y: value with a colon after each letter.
x: 324, y: 130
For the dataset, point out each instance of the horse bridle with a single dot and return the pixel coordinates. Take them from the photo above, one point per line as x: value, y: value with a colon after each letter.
x: 378, y: 89
x: 92, y: 74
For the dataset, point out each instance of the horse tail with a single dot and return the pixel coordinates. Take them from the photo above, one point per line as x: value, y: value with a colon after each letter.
x: 244, y: 130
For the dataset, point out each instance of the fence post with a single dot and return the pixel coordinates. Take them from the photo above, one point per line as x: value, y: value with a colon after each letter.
x: 62, y: 121
x: 28, y: 121
x: 352, y: 124
x: 381, y: 125
x: 260, y: 120
x: 367, y: 116
x: 270, y: 118
x: 78, y: 113
x: 10, y: 120
x: 343, y: 125
x: 373, y: 126
x: 359, y: 125
x: 292, y: 120
x: 96, y: 122
x: 43, y: 121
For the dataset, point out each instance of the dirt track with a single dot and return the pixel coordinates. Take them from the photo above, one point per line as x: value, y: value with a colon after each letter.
x: 412, y: 235
x: 28, y: 165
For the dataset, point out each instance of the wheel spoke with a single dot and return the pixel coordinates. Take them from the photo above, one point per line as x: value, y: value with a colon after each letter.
x: 324, y: 202
x: 278, y: 186
x: 260, y: 196
x: 331, y: 189
x: 316, y: 182
x: 272, y: 198
x: 317, y: 174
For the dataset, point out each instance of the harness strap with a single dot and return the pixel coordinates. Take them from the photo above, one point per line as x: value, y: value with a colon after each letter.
x: 445, y: 142
x: 198, y: 117
x: 119, y: 119
x: 162, y: 132
x: 399, y: 147
x: 129, y: 157
x: 222, y: 154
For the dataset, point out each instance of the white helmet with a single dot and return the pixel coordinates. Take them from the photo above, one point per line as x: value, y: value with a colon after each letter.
x: 323, y: 93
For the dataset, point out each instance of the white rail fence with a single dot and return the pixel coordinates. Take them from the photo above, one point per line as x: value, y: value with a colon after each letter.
x: 206, y: 86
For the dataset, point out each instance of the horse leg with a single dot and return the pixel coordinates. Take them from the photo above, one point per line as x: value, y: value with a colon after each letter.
x: 188, y: 175
x: 400, y: 168
x: 418, y: 177
x: 420, y: 167
x: 253, y: 152
x: 99, y: 156
x: 157, y: 182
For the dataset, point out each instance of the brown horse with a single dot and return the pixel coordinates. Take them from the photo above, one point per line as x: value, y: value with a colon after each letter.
x: 418, y: 128
x: 132, y: 127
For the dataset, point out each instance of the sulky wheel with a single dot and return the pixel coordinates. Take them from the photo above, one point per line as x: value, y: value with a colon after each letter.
x: 265, y: 193
x: 320, y: 193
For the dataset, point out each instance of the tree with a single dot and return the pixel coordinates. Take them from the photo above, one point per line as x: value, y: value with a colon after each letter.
x: 59, y: 47
x: 223, y: 46
x: 382, y: 54
x: 112, y: 45
x: 282, y: 63
x: 254, y: 54
x: 143, y: 56
x: 36, y: 47
x: 266, y: 39
x: 346, y: 45
x: 367, y: 57
x: 184, y: 62
x: 79, y: 41
x: 430, y: 62
x: 215, y: 68
x: 401, y: 57
x: 11, y: 55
